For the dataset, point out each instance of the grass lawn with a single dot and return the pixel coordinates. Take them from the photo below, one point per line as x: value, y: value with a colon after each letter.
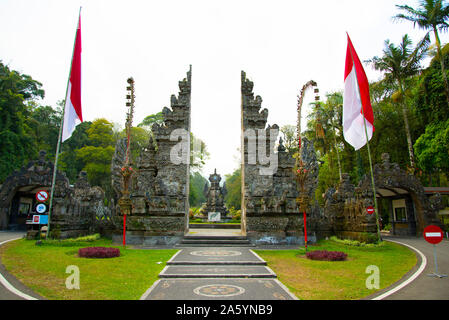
x: 43, y: 269
x: 345, y: 280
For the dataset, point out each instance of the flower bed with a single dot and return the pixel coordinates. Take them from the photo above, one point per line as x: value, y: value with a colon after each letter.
x: 327, y: 255
x: 98, y: 252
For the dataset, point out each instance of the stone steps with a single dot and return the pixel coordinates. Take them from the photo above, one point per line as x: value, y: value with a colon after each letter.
x: 215, y: 241
x: 217, y: 271
x: 214, y: 226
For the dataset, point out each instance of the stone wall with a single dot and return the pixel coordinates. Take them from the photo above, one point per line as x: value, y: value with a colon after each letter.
x: 74, y: 208
x: 345, y: 208
x: 160, y: 183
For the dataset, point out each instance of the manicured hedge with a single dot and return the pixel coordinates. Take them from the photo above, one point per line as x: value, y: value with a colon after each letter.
x: 98, y: 252
x: 327, y: 255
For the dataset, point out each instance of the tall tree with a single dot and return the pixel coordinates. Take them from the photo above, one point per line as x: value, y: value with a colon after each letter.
x: 17, y: 92
x: 97, y: 154
x: 234, y: 187
x: 68, y: 161
x: 432, y: 148
x: 151, y: 119
x: 431, y: 15
x: 399, y: 63
x: 43, y: 123
x: 197, y: 183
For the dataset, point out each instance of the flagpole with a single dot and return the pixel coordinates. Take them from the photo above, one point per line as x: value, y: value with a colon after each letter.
x: 372, y: 178
x: 58, y: 146
x: 369, y: 154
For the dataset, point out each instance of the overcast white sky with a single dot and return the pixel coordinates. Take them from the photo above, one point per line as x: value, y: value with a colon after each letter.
x: 280, y: 44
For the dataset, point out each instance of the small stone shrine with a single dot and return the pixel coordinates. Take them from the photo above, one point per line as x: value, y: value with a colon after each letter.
x: 215, y: 199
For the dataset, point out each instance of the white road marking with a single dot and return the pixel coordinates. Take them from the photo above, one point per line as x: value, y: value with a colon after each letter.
x: 409, y: 280
x: 9, y: 286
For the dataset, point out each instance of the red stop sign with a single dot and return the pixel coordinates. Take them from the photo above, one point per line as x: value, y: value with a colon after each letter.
x: 433, y: 234
x: 370, y: 210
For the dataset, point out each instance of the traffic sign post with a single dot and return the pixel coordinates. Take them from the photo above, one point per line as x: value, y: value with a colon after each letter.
x: 434, y: 235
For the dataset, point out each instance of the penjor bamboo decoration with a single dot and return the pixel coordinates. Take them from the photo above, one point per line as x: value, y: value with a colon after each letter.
x: 301, y: 171
x: 127, y: 170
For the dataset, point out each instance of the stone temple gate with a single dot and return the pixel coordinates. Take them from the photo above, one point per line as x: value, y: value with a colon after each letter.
x: 270, y: 213
x: 160, y: 188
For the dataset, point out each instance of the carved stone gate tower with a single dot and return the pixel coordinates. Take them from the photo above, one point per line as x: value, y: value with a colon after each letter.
x: 160, y: 184
x: 269, y: 209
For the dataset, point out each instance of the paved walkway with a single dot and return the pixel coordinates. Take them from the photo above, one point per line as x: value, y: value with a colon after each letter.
x: 217, y: 274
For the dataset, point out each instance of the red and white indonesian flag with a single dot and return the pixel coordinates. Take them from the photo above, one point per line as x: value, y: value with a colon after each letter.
x: 72, y: 113
x: 357, y: 110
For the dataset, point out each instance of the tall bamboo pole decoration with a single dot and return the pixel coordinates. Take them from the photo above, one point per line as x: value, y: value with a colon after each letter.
x: 300, y: 170
x: 127, y: 170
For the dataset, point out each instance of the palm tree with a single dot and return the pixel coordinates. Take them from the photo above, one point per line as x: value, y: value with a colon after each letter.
x: 431, y: 15
x: 398, y: 64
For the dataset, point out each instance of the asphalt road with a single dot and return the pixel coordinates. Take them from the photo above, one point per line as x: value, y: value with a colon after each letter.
x: 6, y: 294
x: 425, y: 287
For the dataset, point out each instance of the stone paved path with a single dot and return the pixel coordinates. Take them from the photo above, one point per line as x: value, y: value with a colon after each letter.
x: 217, y: 274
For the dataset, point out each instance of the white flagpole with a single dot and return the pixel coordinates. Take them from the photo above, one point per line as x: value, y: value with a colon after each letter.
x: 58, y: 147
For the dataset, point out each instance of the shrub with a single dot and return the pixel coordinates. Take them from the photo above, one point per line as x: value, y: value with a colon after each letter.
x: 235, y: 214
x: 355, y: 243
x: 98, y: 252
x: 327, y: 255
x: 71, y: 242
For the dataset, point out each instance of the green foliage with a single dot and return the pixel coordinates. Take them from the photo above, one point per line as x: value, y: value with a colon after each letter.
x: 100, y: 133
x: 139, y: 140
x: 430, y: 99
x: 97, y: 154
x: 196, y: 195
x: 43, y: 124
x: 68, y: 161
x: 356, y: 243
x: 234, y: 186
x: 17, y: 93
x: 235, y: 214
x: 432, y: 148
x: 151, y: 119
x: 71, y: 242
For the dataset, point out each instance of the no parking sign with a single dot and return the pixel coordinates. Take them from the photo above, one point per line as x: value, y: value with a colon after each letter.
x: 42, y: 196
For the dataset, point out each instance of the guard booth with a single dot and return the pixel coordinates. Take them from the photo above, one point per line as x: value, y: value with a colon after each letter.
x: 401, y: 210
